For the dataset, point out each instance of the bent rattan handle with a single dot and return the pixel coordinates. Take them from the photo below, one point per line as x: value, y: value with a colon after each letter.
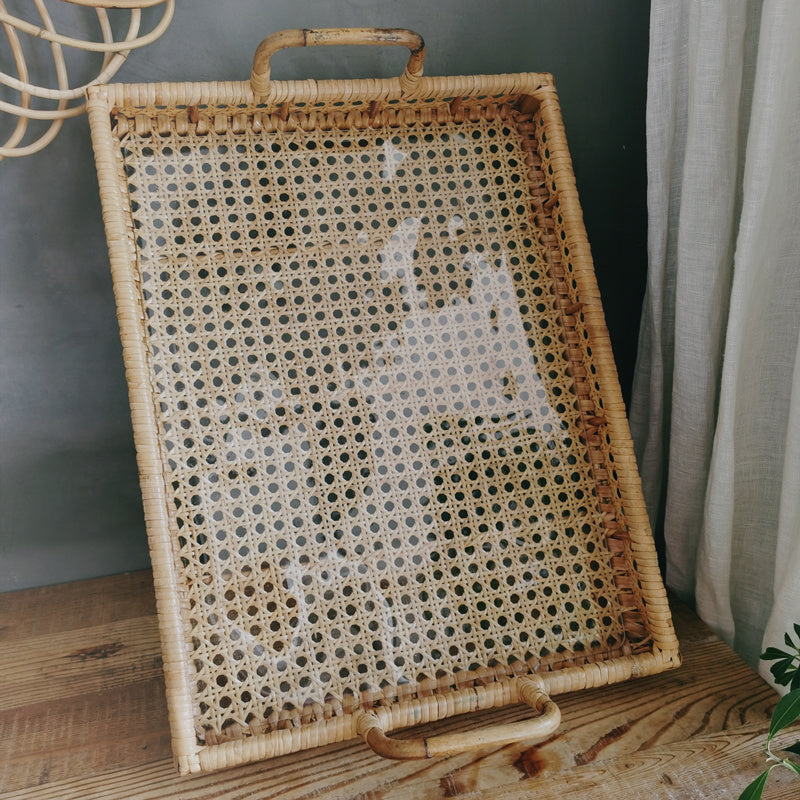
x: 311, y: 37
x: 536, y: 729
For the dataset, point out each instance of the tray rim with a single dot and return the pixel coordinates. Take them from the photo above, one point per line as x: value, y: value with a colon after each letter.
x: 156, y: 98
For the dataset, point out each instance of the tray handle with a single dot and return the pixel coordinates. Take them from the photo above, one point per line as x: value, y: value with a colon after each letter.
x: 311, y: 37
x: 531, y: 692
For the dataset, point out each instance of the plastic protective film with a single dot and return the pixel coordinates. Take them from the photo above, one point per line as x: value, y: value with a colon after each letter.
x: 367, y: 416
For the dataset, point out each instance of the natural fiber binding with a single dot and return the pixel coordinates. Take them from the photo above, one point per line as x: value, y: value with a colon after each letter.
x: 385, y: 462
x: 308, y: 37
x: 530, y: 691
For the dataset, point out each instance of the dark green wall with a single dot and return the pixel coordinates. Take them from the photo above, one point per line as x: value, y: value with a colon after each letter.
x: 69, y: 498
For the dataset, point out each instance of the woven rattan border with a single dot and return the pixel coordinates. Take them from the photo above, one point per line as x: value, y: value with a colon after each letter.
x: 163, y: 108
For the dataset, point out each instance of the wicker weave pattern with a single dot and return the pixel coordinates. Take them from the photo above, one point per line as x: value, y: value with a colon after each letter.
x: 368, y: 414
x: 385, y: 464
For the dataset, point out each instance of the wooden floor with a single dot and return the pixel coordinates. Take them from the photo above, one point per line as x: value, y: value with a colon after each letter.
x: 82, y: 715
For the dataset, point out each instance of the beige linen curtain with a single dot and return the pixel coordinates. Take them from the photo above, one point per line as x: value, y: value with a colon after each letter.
x: 715, y: 412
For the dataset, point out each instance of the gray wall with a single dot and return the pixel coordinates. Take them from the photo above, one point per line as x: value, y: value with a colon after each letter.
x: 69, y: 498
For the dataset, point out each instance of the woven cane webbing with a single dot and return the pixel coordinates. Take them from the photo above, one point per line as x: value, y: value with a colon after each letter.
x: 376, y: 409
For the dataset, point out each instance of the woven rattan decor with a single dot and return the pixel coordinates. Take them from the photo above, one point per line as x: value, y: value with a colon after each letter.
x: 385, y: 464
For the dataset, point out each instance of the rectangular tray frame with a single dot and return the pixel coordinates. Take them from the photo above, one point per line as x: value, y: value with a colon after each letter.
x: 221, y: 104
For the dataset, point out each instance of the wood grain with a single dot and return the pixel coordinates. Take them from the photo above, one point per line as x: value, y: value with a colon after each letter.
x: 715, y: 766
x: 83, y: 716
x: 80, y: 661
x: 55, y: 740
x: 75, y: 605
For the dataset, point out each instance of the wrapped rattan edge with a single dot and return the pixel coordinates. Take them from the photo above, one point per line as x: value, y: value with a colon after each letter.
x: 122, y: 257
x: 154, y: 95
x: 421, y: 711
x: 642, y: 547
x: 190, y: 755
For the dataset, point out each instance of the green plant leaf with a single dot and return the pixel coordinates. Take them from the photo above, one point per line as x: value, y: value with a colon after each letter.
x: 797, y: 629
x: 785, y: 713
x: 771, y: 653
x: 788, y: 640
x: 795, y: 748
x: 756, y: 788
x: 795, y: 684
x: 780, y: 671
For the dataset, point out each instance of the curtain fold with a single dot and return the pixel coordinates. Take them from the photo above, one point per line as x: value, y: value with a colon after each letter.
x: 714, y: 412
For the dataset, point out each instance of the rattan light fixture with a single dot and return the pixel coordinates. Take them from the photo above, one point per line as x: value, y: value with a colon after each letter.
x: 45, y: 105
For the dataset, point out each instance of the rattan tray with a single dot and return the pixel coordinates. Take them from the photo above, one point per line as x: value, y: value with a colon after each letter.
x: 385, y: 463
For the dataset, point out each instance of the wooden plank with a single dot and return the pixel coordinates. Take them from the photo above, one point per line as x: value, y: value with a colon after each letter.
x: 87, y: 697
x: 599, y: 725
x: 84, y: 716
x: 79, y: 661
x: 718, y: 765
x: 55, y: 609
x: 85, y: 735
